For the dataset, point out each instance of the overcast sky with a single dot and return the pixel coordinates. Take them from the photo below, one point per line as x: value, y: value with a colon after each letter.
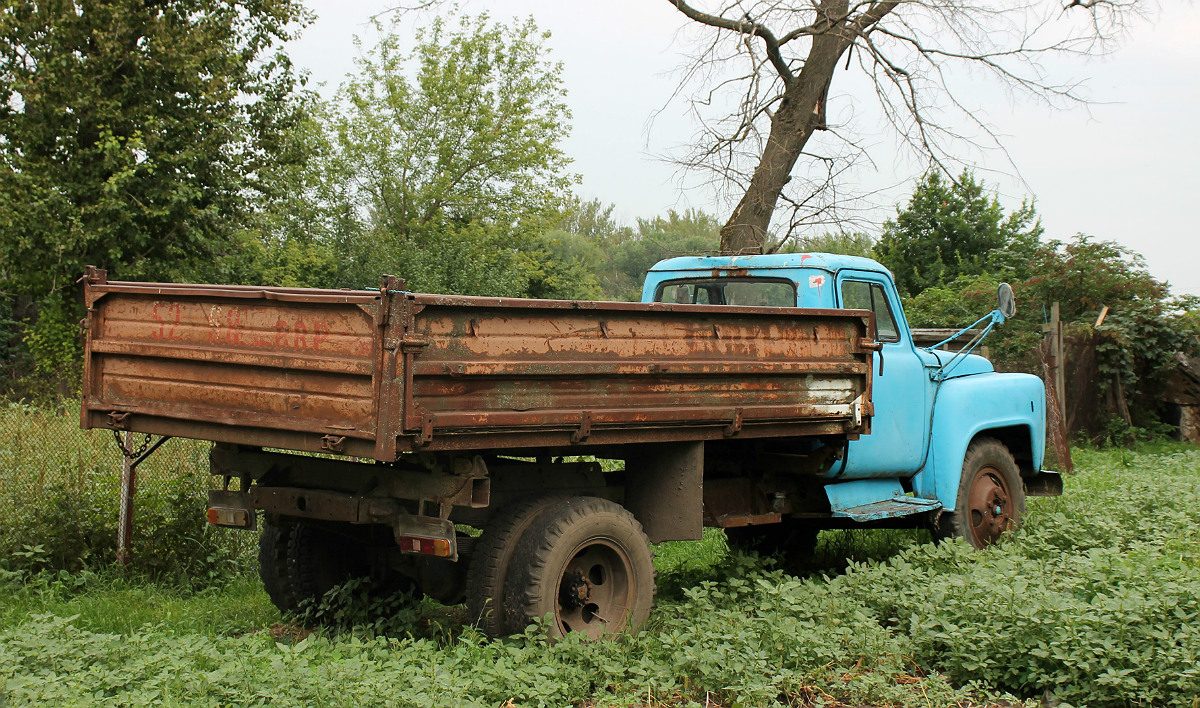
x: 1123, y: 170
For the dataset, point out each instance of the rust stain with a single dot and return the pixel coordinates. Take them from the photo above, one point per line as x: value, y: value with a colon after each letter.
x: 289, y: 367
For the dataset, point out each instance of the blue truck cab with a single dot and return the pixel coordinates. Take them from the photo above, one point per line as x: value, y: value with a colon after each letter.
x: 953, y: 444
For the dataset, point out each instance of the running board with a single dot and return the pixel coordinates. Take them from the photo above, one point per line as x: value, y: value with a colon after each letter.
x: 890, y: 509
x: 874, y: 500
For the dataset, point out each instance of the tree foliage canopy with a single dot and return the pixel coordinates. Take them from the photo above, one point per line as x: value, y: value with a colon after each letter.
x: 949, y: 229
x: 619, y: 255
x: 135, y: 134
x: 448, y: 159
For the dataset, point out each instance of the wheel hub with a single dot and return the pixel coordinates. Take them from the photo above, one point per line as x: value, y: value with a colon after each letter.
x: 989, y: 507
x: 575, y: 591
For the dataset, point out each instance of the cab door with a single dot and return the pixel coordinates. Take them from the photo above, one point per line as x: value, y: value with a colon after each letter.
x: 901, y: 391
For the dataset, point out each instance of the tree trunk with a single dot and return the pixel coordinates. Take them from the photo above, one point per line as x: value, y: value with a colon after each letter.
x: 798, y: 115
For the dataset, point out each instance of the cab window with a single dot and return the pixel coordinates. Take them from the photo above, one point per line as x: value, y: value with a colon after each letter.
x: 759, y: 292
x: 859, y: 295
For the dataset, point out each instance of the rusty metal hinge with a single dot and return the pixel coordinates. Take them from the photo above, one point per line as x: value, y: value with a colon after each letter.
x: 735, y: 426
x: 333, y: 443
x: 585, y: 428
x: 428, y: 421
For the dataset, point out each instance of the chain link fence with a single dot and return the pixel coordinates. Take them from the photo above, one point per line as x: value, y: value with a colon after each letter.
x: 60, y: 500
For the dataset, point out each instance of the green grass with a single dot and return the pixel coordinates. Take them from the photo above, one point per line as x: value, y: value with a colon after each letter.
x: 114, y: 604
x: 1095, y: 601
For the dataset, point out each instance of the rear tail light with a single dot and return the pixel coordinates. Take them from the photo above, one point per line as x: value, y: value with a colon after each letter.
x: 439, y: 547
x: 228, y: 516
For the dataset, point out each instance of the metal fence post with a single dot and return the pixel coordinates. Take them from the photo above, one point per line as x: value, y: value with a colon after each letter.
x: 128, y: 487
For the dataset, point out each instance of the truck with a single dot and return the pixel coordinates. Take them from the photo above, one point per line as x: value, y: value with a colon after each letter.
x: 522, y: 456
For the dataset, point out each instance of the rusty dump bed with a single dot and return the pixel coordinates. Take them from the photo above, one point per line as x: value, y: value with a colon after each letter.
x: 375, y: 373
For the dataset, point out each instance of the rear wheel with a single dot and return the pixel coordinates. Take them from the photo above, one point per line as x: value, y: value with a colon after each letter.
x: 587, y: 563
x: 273, y: 563
x: 320, y: 559
x: 991, y: 496
x: 324, y: 556
x: 490, y: 559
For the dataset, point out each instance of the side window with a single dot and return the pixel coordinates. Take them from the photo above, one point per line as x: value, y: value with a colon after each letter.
x: 859, y: 295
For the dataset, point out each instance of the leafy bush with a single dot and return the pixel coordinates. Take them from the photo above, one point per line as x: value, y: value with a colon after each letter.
x: 59, y: 498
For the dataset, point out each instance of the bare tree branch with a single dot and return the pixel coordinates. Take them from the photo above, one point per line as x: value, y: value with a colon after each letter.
x: 915, y: 54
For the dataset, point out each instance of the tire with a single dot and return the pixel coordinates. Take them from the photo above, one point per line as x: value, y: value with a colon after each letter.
x: 319, y: 560
x: 490, y: 560
x: 991, y: 496
x: 587, y: 563
x: 793, y: 543
x: 273, y: 563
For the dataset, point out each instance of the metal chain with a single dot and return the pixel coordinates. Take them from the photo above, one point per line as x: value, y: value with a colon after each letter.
x: 137, y: 451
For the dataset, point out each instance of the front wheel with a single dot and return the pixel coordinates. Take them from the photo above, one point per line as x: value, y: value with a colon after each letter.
x: 586, y: 562
x: 991, y: 496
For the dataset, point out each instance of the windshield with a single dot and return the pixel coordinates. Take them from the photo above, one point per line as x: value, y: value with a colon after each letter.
x: 759, y: 292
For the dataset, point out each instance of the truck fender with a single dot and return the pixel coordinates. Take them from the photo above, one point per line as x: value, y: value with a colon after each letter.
x: 1008, y: 407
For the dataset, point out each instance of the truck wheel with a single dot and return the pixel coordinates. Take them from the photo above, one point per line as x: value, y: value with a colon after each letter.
x: 991, y: 497
x: 320, y: 560
x: 587, y: 563
x: 793, y: 543
x: 273, y: 563
x: 490, y: 560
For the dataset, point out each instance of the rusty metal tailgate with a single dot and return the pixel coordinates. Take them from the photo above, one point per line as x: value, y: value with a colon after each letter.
x: 274, y: 367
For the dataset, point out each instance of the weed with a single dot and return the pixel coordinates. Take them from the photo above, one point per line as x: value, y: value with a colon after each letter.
x: 1094, y: 601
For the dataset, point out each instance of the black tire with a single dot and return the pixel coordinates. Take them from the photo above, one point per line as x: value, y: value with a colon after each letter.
x: 273, y: 563
x: 991, y: 496
x: 490, y: 559
x: 791, y: 542
x: 587, y: 563
x: 320, y: 559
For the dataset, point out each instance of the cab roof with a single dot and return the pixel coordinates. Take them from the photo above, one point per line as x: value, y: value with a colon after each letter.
x: 831, y: 262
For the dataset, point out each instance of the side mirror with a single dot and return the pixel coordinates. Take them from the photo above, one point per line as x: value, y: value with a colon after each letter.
x: 1005, y: 301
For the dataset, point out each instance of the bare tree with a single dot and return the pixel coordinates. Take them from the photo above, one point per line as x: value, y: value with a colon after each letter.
x: 779, y: 59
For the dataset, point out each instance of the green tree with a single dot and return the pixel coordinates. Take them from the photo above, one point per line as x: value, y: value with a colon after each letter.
x: 848, y: 243
x: 1135, y: 346
x: 689, y: 233
x: 589, y: 235
x: 134, y: 133
x: 949, y: 229
x: 617, y: 255
x: 451, y: 159
x: 135, y: 136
